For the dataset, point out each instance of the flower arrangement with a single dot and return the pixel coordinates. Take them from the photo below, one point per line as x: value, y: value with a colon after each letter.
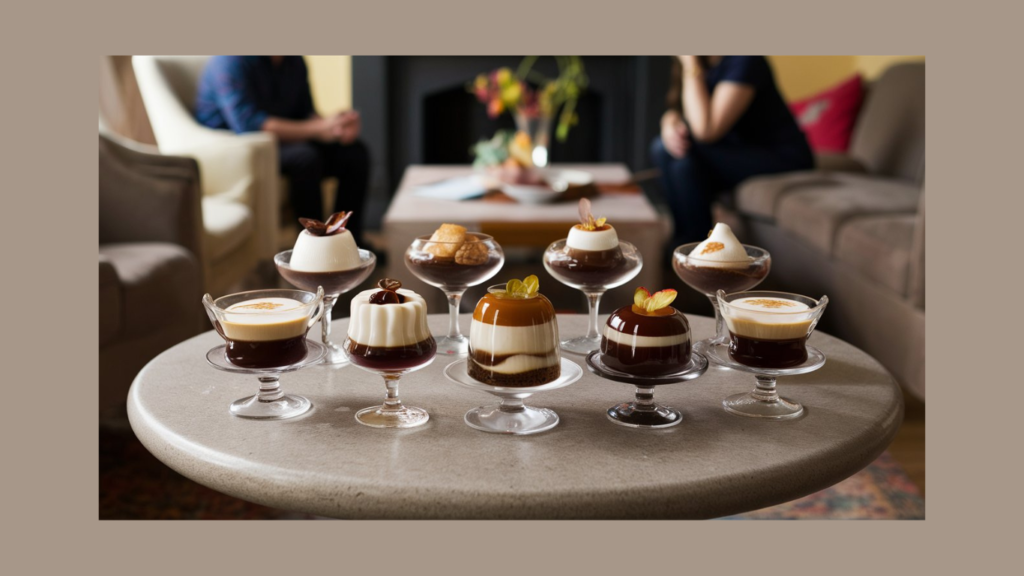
x: 502, y: 90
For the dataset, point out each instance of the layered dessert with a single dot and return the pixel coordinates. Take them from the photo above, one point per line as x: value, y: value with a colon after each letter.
x: 325, y: 254
x: 592, y: 256
x: 265, y: 332
x: 768, y: 332
x: 513, y: 340
x: 647, y: 338
x: 387, y: 330
x: 454, y: 258
x: 720, y: 263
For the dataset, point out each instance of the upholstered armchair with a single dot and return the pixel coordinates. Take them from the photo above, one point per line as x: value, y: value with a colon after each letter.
x: 240, y: 182
x: 150, y: 280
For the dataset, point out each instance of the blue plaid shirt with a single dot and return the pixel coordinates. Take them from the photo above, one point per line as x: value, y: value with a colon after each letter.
x: 240, y: 92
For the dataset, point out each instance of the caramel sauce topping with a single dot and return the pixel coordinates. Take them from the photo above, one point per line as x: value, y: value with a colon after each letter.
x: 712, y: 247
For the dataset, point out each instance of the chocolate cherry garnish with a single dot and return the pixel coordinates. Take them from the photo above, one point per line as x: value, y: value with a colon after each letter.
x: 388, y: 293
x: 334, y: 225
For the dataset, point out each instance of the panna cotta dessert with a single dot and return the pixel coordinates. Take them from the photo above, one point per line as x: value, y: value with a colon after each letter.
x: 265, y: 332
x: 647, y: 338
x: 720, y: 263
x: 592, y: 256
x: 325, y: 254
x: 513, y: 340
x: 387, y: 330
x: 769, y: 332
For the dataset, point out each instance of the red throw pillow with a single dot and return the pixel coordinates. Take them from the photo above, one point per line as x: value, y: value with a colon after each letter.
x: 828, y: 118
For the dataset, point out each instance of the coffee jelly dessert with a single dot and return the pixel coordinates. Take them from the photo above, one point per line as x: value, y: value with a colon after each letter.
x: 647, y: 338
x: 265, y: 332
x: 325, y: 254
x: 720, y: 263
x: 768, y: 332
x: 454, y: 258
x: 592, y: 256
x: 513, y: 340
x: 388, y: 329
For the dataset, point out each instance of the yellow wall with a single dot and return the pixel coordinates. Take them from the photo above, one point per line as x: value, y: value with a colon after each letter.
x: 330, y: 78
x: 800, y: 76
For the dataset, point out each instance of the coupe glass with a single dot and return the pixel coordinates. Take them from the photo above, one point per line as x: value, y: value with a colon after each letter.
x: 707, y: 277
x: 454, y: 275
x: 644, y: 412
x: 266, y: 359
x: 760, y: 357
x: 593, y: 280
x: 334, y: 284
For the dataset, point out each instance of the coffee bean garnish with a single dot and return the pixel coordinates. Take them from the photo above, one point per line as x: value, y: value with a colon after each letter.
x: 389, y: 284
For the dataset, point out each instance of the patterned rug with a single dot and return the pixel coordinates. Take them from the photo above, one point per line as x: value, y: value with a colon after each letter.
x: 135, y: 485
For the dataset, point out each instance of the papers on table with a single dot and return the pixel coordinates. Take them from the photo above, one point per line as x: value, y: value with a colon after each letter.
x: 461, y: 188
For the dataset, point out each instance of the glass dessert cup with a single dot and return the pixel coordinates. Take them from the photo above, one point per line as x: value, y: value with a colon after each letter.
x: 799, y: 358
x: 334, y: 284
x: 707, y: 277
x: 593, y: 279
x: 267, y: 360
x: 511, y: 415
x: 644, y: 412
x: 392, y: 413
x: 454, y: 276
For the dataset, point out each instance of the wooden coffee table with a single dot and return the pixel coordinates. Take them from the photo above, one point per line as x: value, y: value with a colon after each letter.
x: 712, y: 464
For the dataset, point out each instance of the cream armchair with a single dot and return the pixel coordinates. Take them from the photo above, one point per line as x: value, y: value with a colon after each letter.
x: 239, y: 173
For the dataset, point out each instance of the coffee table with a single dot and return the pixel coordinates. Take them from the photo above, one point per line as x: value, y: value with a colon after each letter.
x: 519, y: 226
x: 712, y: 464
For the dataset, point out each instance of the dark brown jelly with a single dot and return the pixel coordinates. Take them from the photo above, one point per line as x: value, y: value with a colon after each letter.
x: 646, y: 360
x: 768, y: 353
x: 449, y: 273
x: 710, y: 280
x: 591, y: 267
x: 394, y: 359
x: 333, y: 282
x: 266, y: 354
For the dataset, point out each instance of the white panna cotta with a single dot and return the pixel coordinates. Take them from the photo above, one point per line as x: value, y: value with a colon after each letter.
x: 721, y: 250
x: 265, y: 319
x: 592, y: 240
x: 325, y: 253
x: 768, y: 318
x: 388, y: 325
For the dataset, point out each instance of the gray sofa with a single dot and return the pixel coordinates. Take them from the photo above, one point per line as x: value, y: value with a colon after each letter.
x: 150, y: 282
x: 854, y: 228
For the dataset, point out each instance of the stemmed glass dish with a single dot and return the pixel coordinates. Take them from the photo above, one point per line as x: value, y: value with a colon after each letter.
x: 388, y: 335
x: 510, y: 415
x: 335, y: 284
x: 709, y: 276
x: 644, y: 412
x: 265, y: 335
x: 594, y: 273
x: 768, y: 334
x: 454, y: 266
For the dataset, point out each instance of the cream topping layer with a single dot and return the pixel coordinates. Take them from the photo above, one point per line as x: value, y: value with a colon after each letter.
x: 592, y: 239
x: 768, y: 318
x: 388, y: 325
x: 645, y: 341
x: 721, y: 250
x: 505, y: 340
x: 265, y: 319
x: 325, y: 253
x: 523, y: 363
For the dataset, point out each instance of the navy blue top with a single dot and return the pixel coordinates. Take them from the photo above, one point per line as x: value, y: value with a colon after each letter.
x: 239, y: 92
x: 767, y: 121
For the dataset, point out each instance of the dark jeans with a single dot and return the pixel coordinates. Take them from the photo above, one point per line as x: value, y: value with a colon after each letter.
x: 306, y: 164
x: 693, y: 182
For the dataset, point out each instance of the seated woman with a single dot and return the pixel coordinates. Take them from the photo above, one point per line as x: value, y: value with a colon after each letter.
x: 726, y: 122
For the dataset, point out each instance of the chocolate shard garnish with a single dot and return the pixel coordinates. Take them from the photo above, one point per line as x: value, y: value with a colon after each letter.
x: 336, y: 223
x: 314, y: 226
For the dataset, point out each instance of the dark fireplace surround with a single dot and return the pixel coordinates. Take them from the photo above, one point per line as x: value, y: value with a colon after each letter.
x: 416, y: 110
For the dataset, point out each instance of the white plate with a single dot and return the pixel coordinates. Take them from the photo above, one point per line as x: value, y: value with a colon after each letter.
x: 559, y: 181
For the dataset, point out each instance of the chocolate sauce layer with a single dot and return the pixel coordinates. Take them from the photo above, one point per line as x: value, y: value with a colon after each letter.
x: 768, y: 353
x: 333, y: 282
x: 709, y: 280
x: 266, y: 353
x: 504, y: 311
x: 392, y: 358
x: 645, y: 360
x: 520, y: 380
x: 448, y: 273
x: 627, y: 321
x: 487, y: 359
x: 591, y: 267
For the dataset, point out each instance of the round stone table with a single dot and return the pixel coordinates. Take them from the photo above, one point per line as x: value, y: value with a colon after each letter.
x: 325, y: 463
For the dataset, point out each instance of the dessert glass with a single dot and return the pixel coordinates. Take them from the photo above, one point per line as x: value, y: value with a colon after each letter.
x: 270, y: 403
x: 453, y: 279
x: 510, y: 415
x: 334, y: 284
x: 764, y: 401
x: 644, y: 412
x: 593, y: 283
x: 709, y: 276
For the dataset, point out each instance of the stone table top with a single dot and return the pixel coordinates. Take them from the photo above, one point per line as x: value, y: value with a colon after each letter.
x: 712, y: 464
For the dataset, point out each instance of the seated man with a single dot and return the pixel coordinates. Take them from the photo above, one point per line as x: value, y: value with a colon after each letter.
x: 272, y: 94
